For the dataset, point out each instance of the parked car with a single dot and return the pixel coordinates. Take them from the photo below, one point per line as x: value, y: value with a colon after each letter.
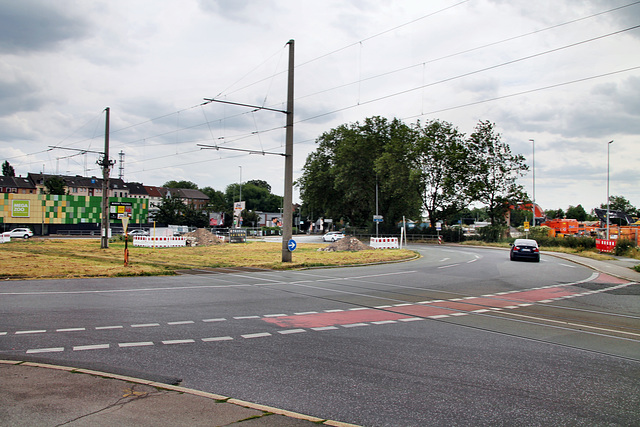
x: 138, y: 232
x: 332, y: 236
x: 525, y: 249
x: 21, y: 233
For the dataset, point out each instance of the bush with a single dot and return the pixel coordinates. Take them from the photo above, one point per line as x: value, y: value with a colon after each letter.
x: 492, y: 233
x: 624, y: 246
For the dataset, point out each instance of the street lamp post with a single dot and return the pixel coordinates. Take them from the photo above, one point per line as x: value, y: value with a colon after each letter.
x: 533, y: 208
x: 608, y: 201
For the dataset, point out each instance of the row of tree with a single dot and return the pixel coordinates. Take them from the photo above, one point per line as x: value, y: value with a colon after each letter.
x: 400, y: 170
x: 256, y: 193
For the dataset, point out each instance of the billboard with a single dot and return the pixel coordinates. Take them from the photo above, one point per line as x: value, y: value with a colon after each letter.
x: 20, y: 208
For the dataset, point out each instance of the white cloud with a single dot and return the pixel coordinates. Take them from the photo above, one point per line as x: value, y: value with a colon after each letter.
x: 153, y: 62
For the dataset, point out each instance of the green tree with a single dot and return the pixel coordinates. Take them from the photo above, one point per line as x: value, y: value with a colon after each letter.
x: 257, y: 197
x: 440, y: 162
x: 173, y: 211
x: 217, y: 200
x: 577, y: 212
x: 495, y: 171
x: 260, y: 183
x: 7, y: 169
x: 620, y: 203
x: 554, y: 213
x: 339, y: 178
x: 55, y: 185
x: 181, y: 184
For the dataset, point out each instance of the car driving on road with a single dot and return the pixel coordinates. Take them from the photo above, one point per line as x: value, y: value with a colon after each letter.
x: 525, y: 249
x: 21, y: 233
x: 332, y: 236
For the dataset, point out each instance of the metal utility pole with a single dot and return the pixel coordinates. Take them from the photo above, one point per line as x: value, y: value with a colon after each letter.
x: 533, y: 208
x: 608, y: 200
x: 287, y: 213
x: 106, y: 165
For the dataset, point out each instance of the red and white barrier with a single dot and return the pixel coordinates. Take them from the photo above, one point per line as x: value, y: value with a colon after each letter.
x: 604, y: 245
x: 159, y: 242
x: 5, y: 237
x: 384, y: 242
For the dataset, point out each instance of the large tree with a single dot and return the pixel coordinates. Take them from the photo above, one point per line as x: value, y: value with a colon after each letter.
x: 55, y: 185
x: 442, y: 167
x: 339, y: 178
x: 7, y: 169
x: 181, y: 184
x: 495, y: 171
x: 620, y: 203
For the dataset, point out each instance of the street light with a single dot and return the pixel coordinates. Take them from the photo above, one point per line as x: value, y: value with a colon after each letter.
x: 240, y: 183
x: 533, y: 208
x: 608, y: 145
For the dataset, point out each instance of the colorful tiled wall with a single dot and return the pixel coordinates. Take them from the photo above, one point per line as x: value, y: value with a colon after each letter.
x: 53, y: 209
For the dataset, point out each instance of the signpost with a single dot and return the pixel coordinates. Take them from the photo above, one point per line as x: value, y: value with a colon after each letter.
x: 292, y: 245
x: 125, y: 223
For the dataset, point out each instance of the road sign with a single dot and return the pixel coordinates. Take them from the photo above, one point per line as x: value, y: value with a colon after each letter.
x: 438, y: 226
x: 292, y: 245
x: 526, y: 226
x: 378, y: 218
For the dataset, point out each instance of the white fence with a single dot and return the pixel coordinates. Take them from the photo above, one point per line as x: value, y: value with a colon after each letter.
x: 159, y: 242
x: 384, y: 242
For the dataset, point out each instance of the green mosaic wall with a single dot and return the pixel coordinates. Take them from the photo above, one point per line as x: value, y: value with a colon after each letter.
x: 53, y: 209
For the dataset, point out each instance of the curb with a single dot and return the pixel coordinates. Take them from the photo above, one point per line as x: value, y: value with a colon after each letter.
x: 217, y: 397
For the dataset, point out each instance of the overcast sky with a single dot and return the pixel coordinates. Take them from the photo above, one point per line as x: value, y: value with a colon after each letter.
x: 565, y: 74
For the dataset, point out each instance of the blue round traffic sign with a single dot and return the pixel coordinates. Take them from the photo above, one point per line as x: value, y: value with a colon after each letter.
x: 292, y: 245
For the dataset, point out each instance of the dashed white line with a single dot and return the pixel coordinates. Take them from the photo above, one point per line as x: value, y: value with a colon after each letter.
x: 45, y: 350
x: 217, y: 339
x: 169, y: 342
x: 384, y: 322
x: 90, y: 347
x: 275, y: 315
x: 325, y: 328
x: 220, y: 319
x: 135, y: 344
x: 182, y: 322
x: 291, y: 331
x: 99, y: 328
x: 410, y: 319
x: 70, y: 330
x: 39, y: 331
x: 306, y: 312
x: 354, y: 325
x: 258, y: 335
x: 145, y: 325
x: 246, y: 317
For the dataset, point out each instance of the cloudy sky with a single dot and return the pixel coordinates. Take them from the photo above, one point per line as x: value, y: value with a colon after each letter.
x: 565, y: 74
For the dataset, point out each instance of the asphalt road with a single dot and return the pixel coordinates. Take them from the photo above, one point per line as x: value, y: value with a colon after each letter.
x: 461, y: 336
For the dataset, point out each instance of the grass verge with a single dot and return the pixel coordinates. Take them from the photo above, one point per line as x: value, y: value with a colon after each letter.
x: 53, y: 259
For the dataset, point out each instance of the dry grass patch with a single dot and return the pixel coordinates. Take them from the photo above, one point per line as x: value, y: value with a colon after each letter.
x: 49, y: 258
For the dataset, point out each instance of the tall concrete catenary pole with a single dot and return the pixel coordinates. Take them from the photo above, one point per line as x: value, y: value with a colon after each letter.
x: 287, y: 211
x: 608, y: 200
x: 104, y: 241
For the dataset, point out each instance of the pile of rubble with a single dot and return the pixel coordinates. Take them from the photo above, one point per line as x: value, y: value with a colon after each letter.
x: 347, y: 243
x: 202, y: 237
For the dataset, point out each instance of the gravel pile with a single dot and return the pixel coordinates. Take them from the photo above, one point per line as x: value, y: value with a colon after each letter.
x: 347, y: 243
x: 202, y: 237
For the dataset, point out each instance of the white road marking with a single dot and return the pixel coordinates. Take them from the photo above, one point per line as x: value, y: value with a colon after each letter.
x: 99, y: 328
x: 354, y: 325
x: 410, y: 319
x: 169, y: 342
x: 384, y: 322
x: 291, y: 331
x: 306, y: 312
x: 246, y: 317
x: 258, y: 335
x: 275, y: 315
x: 70, y: 330
x: 217, y: 339
x: 135, y: 344
x: 220, y: 319
x: 325, y: 328
x: 45, y: 350
x: 90, y: 347
x: 39, y: 331
x: 182, y: 322
x: 145, y: 325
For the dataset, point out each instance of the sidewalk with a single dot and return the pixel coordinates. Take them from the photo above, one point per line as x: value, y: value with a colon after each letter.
x: 48, y: 395
x: 619, y: 267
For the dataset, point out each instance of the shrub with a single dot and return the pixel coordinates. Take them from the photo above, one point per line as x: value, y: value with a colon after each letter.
x: 492, y: 233
x: 624, y: 246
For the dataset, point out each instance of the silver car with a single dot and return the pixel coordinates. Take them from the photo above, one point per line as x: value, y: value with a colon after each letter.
x: 21, y: 233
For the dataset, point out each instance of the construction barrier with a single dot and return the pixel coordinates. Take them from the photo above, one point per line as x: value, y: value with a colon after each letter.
x: 384, y: 242
x: 159, y: 242
x: 5, y: 237
x: 604, y: 245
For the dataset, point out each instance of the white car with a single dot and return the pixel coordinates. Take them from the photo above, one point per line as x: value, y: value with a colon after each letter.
x: 138, y: 232
x: 21, y: 233
x: 332, y: 236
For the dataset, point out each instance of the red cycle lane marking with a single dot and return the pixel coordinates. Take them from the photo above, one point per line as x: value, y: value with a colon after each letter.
x: 426, y: 310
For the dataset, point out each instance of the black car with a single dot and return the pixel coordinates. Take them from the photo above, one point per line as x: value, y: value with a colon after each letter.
x: 525, y: 249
